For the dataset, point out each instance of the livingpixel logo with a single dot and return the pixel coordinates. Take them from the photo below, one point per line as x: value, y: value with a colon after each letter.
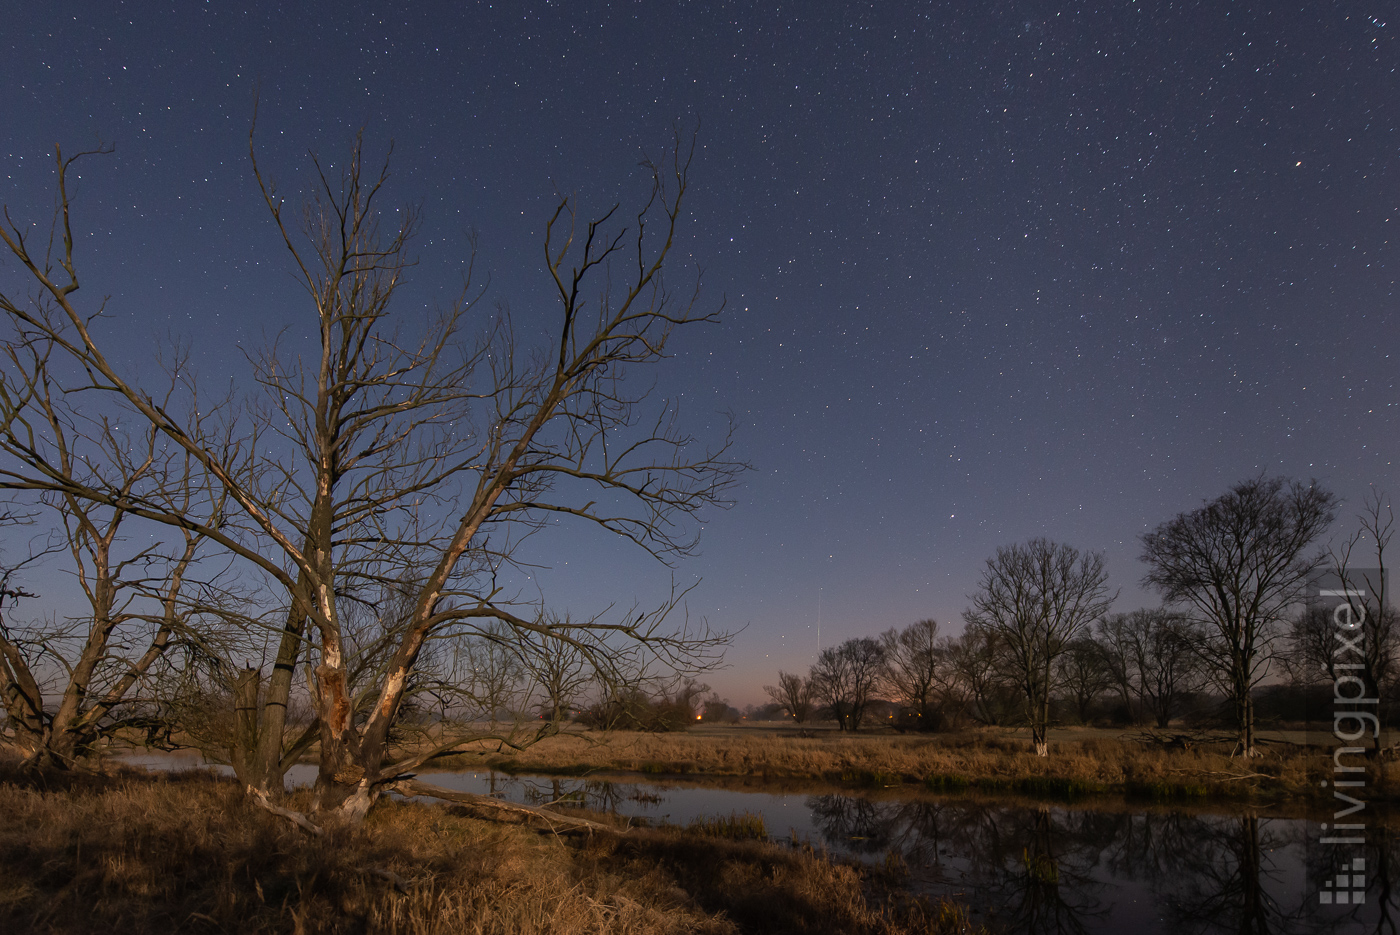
x: 1345, y: 888
x: 1355, y: 721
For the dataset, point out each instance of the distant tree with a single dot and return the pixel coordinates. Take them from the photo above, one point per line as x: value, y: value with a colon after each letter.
x: 628, y: 704
x: 794, y: 693
x: 1038, y: 598
x: 557, y: 666
x: 1306, y: 657
x: 845, y: 678
x: 912, y: 661
x: 1115, y: 645
x: 1356, y: 633
x: 487, y: 667
x: 1083, y: 674
x: 716, y: 710
x: 1152, y: 653
x: 1236, y: 565
x: 765, y: 712
x: 977, y: 675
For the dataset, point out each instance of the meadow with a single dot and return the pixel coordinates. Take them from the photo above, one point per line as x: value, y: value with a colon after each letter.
x: 1081, y: 761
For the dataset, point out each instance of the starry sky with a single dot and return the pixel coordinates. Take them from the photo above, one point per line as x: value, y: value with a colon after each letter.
x: 991, y: 270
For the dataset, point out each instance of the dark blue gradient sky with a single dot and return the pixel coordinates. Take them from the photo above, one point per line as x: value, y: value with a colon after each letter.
x: 993, y: 271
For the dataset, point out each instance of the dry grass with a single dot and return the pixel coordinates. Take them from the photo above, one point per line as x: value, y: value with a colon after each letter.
x: 1081, y: 762
x: 190, y: 853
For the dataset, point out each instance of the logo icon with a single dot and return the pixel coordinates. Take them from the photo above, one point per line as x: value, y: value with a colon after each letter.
x: 1346, y: 888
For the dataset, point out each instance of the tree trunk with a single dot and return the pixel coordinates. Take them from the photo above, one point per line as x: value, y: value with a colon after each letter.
x: 1039, y: 710
x: 23, y: 701
x: 1244, y: 714
x: 267, y: 767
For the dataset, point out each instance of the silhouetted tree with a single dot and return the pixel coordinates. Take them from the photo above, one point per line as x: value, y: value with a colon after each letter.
x: 1083, y: 675
x: 845, y: 678
x: 1038, y: 598
x: 912, y: 660
x: 1152, y: 654
x: 1235, y: 565
x: 978, y: 675
x: 794, y: 693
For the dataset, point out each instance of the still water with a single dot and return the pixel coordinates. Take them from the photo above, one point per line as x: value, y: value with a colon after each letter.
x: 1022, y: 867
x: 1100, y: 869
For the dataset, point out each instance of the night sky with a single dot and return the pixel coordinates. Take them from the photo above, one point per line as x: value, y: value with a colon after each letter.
x: 992, y: 271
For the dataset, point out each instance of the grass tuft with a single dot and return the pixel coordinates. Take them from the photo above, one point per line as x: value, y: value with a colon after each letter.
x: 736, y: 826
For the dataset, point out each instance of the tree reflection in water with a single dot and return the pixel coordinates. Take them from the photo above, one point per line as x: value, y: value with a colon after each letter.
x: 1031, y: 865
x: 1062, y: 869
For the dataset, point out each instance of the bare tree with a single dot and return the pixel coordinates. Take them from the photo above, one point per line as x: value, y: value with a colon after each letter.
x: 845, y: 678
x: 912, y: 661
x: 1083, y: 673
x: 487, y: 670
x: 426, y: 449
x: 1153, y: 654
x: 1037, y: 598
x: 557, y: 667
x: 636, y: 701
x: 977, y: 674
x: 1236, y: 565
x: 72, y: 681
x: 1115, y: 641
x: 1356, y: 632
x: 794, y: 693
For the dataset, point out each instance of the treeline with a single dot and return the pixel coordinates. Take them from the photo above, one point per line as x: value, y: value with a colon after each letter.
x: 1247, y: 629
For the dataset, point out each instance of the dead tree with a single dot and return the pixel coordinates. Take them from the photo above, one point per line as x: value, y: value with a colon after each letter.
x: 1038, y: 598
x: 426, y: 447
x: 1235, y: 566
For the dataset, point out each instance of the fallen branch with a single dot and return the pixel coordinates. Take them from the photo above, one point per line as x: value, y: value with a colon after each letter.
x: 296, y: 818
x: 566, y: 823
x: 1230, y: 777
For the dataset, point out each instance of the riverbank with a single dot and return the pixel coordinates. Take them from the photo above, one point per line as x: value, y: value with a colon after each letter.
x: 190, y: 852
x: 1082, y: 762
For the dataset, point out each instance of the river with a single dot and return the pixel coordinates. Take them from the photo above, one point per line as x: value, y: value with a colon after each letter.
x: 1098, y: 868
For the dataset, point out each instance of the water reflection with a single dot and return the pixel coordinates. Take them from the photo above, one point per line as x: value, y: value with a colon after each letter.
x: 1063, y: 870
x: 1036, y: 868
x: 1049, y: 868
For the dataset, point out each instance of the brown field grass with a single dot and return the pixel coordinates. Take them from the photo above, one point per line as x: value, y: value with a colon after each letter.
x: 1082, y: 761
x: 190, y: 853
